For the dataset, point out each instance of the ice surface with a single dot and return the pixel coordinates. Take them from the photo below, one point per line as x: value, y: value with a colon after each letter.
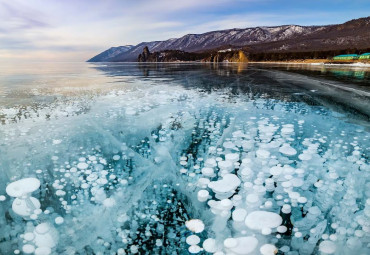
x: 172, y: 169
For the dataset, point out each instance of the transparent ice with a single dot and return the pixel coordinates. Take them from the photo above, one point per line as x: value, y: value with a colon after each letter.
x: 155, y: 167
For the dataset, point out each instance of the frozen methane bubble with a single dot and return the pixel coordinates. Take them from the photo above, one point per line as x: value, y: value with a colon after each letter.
x: 82, y: 165
x: 59, y: 220
x: 192, y: 240
x: 22, y: 187
x: 268, y: 249
x: 239, y: 214
x: 24, y: 204
x: 194, y: 249
x: 263, y: 154
x: 45, y: 235
x: 327, y: 247
x: 42, y: 251
x: 241, y: 245
x: 28, y: 249
x: 286, y: 149
x: 195, y: 225
x: 25, y: 207
x: 210, y: 245
x: 203, y: 195
x: 259, y: 220
x: 226, y: 186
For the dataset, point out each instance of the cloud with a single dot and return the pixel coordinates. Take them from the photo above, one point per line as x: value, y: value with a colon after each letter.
x: 76, y: 30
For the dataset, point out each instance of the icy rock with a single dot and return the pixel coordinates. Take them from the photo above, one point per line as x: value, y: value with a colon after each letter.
x: 258, y: 220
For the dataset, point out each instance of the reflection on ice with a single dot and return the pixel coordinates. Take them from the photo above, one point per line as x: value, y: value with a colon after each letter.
x: 172, y: 170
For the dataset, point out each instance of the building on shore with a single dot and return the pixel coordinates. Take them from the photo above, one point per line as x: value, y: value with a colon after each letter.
x: 364, y: 56
x: 346, y: 57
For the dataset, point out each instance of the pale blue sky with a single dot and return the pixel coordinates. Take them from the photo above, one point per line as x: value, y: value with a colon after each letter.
x: 75, y: 30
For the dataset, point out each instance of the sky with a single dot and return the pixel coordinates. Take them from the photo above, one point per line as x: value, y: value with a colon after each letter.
x: 76, y: 30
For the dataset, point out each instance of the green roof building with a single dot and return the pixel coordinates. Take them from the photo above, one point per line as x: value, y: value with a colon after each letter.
x: 364, y: 56
x: 346, y: 57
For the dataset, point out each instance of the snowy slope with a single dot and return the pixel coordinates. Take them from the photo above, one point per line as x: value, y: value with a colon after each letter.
x: 330, y: 35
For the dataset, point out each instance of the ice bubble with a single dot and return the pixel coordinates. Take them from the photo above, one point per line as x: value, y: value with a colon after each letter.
x: 228, y: 183
x: 244, y: 245
x: 59, y: 220
x: 195, y: 225
x: 228, y: 145
x: 246, y: 173
x: 22, y: 187
x: 287, y: 129
x: 28, y: 248
x: 82, y: 165
x: 266, y: 231
x: 263, y: 154
x: 24, y: 207
x: 2, y: 198
x: 43, y: 251
x: 192, y: 240
x: 209, y: 245
x: 233, y: 157
x: 258, y: 220
x: 286, y: 209
x: 302, y: 200
x: 268, y: 249
x: 116, y: 157
x: 239, y: 214
x: 208, y: 172
x: 134, y: 249
x: 305, y: 156
x: 210, y: 162
x: 226, y: 165
x: 276, y: 170
x: 29, y: 236
x: 327, y: 247
x: 230, y: 242
x: 282, y: 229
x: 109, y: 202
x: 286, y: 149
x: 194, y: 249
x: 203, y: 195
x: 252, y: 199
x: 202, y: 182
x: 45, y: 235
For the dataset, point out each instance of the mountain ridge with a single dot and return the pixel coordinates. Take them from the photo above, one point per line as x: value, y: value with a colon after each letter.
x: 353, y: 33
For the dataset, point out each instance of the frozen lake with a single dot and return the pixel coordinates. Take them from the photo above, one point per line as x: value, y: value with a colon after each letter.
x: 122, y: 158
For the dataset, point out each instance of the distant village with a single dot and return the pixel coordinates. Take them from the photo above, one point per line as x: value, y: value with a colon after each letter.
x: 365, y: 56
